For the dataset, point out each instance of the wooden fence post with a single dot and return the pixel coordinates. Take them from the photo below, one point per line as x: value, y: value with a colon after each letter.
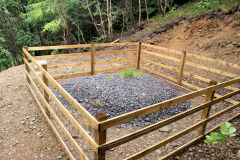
x: 45, y: 80
x: 100, y: 136
x: 138, y: 54
x: 206, y: 111
x: 181, y: 66
x: 92, y: 58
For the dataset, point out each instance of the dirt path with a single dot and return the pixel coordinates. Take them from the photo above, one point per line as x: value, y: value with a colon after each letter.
x: 23, y: 132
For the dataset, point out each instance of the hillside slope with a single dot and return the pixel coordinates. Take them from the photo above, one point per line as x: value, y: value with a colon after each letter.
x: 213, y: 35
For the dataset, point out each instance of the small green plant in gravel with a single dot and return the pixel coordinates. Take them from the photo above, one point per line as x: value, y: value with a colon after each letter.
x: 111, y: 77
x: 1, y: 98
x: 227, y: 130
x: 131, y: 73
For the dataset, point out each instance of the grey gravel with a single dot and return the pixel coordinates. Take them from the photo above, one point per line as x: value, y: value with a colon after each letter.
x: 115, y: 96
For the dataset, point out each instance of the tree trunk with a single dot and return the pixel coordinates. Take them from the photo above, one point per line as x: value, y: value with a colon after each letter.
x: 93, y: 20
x: 146, y: 10
x: 139, y: 17
x: 67, y: 39
x: 131, y: 14
x: 101, y: 19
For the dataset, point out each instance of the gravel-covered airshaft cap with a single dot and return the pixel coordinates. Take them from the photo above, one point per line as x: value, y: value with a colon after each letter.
x: 115, y: 96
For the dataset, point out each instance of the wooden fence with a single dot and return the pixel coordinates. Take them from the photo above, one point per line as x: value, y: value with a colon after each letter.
x: 44, y: 97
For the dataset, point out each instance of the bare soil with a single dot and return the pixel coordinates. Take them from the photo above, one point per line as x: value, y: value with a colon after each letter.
x: 25, y: 135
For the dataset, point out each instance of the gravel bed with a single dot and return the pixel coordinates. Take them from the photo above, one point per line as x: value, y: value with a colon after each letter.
x: 115, y: 96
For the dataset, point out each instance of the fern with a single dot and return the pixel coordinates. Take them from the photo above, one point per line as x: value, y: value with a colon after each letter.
x: 53, y: 26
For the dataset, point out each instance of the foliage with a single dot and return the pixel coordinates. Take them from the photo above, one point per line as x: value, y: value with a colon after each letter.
x: 215, y: 137
x: 111, y: 77
x: 227, y: 129
x: 130, y: 73
x: 1, y: 98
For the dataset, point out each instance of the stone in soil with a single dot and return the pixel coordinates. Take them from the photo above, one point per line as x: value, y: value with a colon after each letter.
x: 116, y: 96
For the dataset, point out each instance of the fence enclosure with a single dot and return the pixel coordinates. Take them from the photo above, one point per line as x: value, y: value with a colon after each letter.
x: 145, y: 57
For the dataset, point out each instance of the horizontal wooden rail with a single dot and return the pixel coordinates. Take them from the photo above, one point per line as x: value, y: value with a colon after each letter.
x: 59, y: 122
x: 93, y: 122
x: 51, y: 124
x: 114, y: 69
x: 160, y: 65
x: 115, y: 60
x: 153, y: 108
x: 213, y: 70
x: 72, y: 75
x: 216, y: 95
x: 115, y: 51
x: 180, y: 134
x: 160, y: 55
x: 57, y: 47
x: 158, y: 73
x: 63, y: 109
x: 178, y: 150
x: 116, y: 44
x: 62, y: 55
x: 162, y: 48
x: 227, y: 64
x: 191, y: 55
x: 68, y: 65
x: 163, y: 123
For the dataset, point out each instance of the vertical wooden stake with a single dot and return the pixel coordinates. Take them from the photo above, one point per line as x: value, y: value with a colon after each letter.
x: 138, y: 55
x: 46, y: 96
x: 92, y: 59
x: 181, y: 66
x: 100, y: 136
x: 206, y: 111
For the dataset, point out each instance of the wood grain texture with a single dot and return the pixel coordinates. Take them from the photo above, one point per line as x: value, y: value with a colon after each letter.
x: 66, y: 55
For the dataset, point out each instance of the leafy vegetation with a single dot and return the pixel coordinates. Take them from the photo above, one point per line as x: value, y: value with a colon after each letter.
x: 131, y: 74
x: 1, y: 98
x: 227, y: 130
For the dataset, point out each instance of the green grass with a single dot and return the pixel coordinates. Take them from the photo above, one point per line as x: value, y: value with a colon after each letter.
x: 131, y: 74
x: 1, y: 98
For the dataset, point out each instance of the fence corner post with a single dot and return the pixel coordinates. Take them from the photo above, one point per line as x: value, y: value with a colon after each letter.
x: 45, y: 80
x: 92, y: 58
x: 100, y: 137
x: 138, y: 54
x: 181, y: 66
x: 206, y: 111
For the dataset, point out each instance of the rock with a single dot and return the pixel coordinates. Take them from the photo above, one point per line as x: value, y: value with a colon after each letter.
x: 40, y: 135
x: 177, y: 158
x: 120, y: 151
x: 112, y: 149
x: 167, y: 129
x: 59, y: 156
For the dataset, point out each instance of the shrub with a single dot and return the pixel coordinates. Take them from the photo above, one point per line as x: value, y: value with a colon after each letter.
x: 130, y: 73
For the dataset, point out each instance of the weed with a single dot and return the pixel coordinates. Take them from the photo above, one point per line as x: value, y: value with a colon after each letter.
x: 131, y: 73
x: 1, y: 98
x: 72, y: 71
x: 227, y: 130
x: 111, y: 77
